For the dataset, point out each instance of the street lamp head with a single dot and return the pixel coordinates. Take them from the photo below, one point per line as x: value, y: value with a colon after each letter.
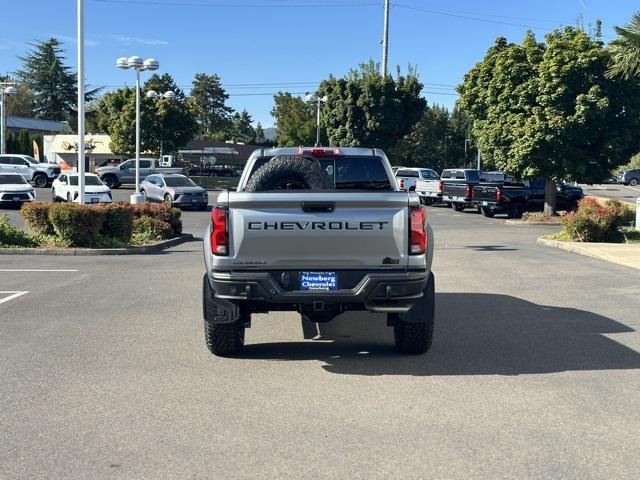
x: 134, y: 62
x: 123, y: 63
x: 11, y: 90
x: 152, y: 94
x: 169, y: 95
x: 325, y: 98
x: 151, y: 64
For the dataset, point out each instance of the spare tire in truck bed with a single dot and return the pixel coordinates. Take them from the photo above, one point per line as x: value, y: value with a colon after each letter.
x: 289, y: 172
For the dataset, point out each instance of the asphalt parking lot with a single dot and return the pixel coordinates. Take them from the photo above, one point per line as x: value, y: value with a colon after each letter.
x: 614, y: 191
x: 533, y: 373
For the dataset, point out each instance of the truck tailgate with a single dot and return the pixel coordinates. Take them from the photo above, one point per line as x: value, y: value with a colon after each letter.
x: 485, y: 192
x: 318, y: 230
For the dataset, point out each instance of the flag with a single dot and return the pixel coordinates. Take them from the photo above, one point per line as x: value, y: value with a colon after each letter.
x: 36, y: 150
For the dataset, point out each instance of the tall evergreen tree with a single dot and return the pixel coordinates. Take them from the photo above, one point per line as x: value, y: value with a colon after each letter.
x: 208, y: 104
x: 53, y: 83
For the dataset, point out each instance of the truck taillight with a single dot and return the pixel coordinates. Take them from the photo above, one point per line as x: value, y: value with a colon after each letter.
x: 441, y: 187
x: 499, y: 194
x: 219, y: 231
x: 417, y: 231
x: 469, y: 191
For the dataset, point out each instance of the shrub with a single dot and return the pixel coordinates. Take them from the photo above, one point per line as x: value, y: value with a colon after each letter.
x: 77, y: 225
x: 118, y: 221
x: 161, y: 211
x: 11, y: 236
x: 36, y: 217
x: 148, y: 229
x: 595, y: 221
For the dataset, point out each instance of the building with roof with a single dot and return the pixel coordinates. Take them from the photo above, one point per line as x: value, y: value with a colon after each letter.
x: 37, y: 126
x: 63, y: 150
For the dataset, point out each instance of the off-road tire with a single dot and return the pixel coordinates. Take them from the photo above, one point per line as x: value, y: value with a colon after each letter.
x: 304, y: 172
x: 416, y: 337
x: 487, y: 212
x: 633, y: 182
x: 224, y: 339
x: 457, y: 207
x: 40, y: 180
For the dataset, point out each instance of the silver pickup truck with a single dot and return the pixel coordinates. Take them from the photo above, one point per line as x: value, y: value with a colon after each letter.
x: 320, y: 231
x: 113, y: 177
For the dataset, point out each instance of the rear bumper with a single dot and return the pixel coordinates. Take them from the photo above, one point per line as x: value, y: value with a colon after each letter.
x: 392, y: 292
x: 456, y: 199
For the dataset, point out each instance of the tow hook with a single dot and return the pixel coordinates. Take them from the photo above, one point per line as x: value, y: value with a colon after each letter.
x: 318, y: 306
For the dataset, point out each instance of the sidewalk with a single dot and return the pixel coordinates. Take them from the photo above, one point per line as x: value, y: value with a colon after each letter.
x: 620, y: 253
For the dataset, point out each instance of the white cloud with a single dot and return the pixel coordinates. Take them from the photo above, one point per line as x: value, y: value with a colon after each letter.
x: 128, y: 40
x: 87, y: 42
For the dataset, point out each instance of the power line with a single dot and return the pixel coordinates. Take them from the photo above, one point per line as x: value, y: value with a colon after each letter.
x: 332, y: 3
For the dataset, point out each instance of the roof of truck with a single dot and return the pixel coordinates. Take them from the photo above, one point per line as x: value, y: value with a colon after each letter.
x: 352, y: 151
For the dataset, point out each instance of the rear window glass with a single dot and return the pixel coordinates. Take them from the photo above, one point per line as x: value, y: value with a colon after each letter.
x: 407, y: 173
x: 453, y: 174
x: 349, y: 173
x: 473, y: 176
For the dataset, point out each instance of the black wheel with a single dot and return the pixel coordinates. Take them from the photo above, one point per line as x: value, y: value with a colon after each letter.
x: 289, y: 172
x: 54, y: 197
x: 69, y: 198
x: 144, y: 196
x: 110, y: 181
x: 426, y: 201
x: 487, y: 212
x: 516, y: 210
x: 572, y: 205
x: 40, y: 180
x: 224, y: 339
x: 167, y: 198
x: 633, y: 182
x: 458, y: 207
x: 413, y: 331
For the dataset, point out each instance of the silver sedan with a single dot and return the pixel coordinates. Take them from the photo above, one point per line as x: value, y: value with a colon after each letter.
x: 176, y: 189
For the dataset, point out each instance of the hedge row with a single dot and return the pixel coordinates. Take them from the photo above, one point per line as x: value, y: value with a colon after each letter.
x: 117, y: 223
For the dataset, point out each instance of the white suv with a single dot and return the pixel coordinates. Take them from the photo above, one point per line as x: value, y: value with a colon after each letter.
x: 40, y: 174
x: 66, y: 188
x: 407, y: 177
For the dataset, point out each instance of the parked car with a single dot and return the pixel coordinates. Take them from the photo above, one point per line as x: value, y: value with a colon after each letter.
x: 630, y: 177
x: 408, y: 177
x: 319, y: 231
x: 40, y: 174
x: 175, y: 189
x: 457, y: 187
x: 66, y: 188
x: 125, y: 173
x: 14, y: 189
x: 516, y: 198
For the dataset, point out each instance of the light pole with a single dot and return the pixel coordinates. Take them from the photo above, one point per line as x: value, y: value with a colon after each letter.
x: 446, y: 138
x: 310, y: 97
x: 139, y: 65
x: 169, y: 95
x: 81, y: 152
x: 5, y: 89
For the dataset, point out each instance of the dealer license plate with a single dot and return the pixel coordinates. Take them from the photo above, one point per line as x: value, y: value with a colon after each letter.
x: 318, y: 281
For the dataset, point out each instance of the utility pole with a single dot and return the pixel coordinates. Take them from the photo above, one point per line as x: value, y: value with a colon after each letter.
x: 81, y: 152
x: 478, y: 158
x: 385, y: 39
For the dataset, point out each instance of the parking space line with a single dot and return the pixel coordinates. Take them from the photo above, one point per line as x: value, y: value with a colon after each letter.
x: 632, y: 188
x: 32, y: 270
x: 12, y: 295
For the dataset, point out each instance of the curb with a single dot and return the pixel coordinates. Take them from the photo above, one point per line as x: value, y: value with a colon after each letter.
x: 144, y: 250
x: 576, y: 247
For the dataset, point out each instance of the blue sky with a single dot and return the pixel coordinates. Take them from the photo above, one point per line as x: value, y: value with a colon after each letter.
x: 291, y: 43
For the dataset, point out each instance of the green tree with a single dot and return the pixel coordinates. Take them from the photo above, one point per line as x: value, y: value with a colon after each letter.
x: 295, y: 120
x: 24, y: 145
x: 241, y: 129
x: 548, y: 110
x: 20, y: 104
x: 51, y: 81
x: 208, y: 104
x: 168, y: 121
x: 365, y: 108
x: 625, y: 50
x: 259, y: 133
